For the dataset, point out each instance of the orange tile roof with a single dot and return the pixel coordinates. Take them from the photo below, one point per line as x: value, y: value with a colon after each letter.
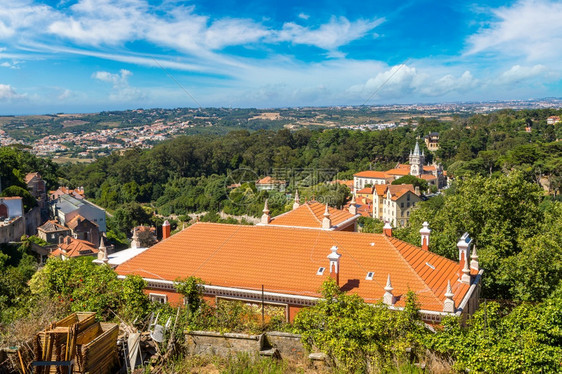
x: 380, y: 189
x: 366, y: 190
x: 30, y: 176
x: 310, y: 214
x: 77, y: 220
x: 269, y: 180
x: 71, y: 247
x: 285, y: 260
x: 371, y: 174
x: 428, y: 177
x: 429, y: 168
x: 398, y: 171
x: 398, y: 190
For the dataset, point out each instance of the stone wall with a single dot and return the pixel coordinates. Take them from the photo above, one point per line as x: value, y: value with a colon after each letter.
x: 214, y: 343
x: 13, y: 231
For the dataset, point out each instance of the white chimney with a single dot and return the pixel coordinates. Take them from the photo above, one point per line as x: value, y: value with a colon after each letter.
x: 424, y: 233
x: 334, y: 258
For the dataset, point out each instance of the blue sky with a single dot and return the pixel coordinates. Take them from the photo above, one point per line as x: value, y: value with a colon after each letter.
x: 91, y: 55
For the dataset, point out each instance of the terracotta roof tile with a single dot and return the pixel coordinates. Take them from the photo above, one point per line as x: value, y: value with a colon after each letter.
x: 286, y: 260
x: 371, y: 174
x: 310, y: 214
x: 71, y: 247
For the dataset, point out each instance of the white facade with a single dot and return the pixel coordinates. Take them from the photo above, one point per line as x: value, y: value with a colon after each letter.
x: 11, y: 207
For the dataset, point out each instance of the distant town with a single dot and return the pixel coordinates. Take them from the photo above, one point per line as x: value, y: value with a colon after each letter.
x: 86, y: 137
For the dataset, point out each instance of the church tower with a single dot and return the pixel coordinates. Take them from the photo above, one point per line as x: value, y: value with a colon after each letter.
x: 417, y: 160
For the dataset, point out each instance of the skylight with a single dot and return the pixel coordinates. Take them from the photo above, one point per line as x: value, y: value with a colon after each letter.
x: 320, y: 271
x: 370, y: 275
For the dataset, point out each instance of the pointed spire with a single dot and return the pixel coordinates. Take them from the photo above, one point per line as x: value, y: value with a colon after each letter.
x: 135, y: 239
x: 388, y: 297
x: 265, y: 218
x: 352, y: 206
x: 326, y: 221
x: 297, y: 201
x: 474, y: 259
x: 102, y: 254
x: 449, y: 303
x: 465, y: 273
x: 417, y: 149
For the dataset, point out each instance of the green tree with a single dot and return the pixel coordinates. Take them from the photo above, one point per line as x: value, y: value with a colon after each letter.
x: 410, y: 179
x: 499, y: 214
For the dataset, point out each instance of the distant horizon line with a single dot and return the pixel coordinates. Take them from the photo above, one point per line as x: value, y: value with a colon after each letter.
x: 497, y: 101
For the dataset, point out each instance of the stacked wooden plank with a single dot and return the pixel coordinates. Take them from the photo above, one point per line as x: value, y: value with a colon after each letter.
x: 76, y: 341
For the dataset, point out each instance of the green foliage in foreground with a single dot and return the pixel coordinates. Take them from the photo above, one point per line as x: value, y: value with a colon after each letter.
x: 356, y: 335
x: 526, y: 340
x: 361, y: 337
x: 90, y: 287
x: 517, y: 233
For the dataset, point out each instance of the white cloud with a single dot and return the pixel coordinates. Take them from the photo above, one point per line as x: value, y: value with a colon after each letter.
x: 121, y: 90
x: 338, y: 32
x: 303, y: 16
x: 7, y: 93
x: 519, y: 73
x: 406, y: 81
x: 528, y: 28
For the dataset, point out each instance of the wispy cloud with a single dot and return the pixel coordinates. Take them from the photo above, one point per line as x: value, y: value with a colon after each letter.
x: 121, y: 90
x: 528, y: 28
x: 518, y: 74
x: 332, y: 35
x: 9, y: 94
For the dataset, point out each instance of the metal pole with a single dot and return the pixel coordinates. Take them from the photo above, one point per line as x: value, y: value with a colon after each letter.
x: 262, y: 306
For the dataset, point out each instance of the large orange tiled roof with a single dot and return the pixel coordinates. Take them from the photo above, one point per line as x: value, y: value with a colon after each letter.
x: 286, y: 260
x: 399, y: 171
x: 371, y: 174
x: 310, y: 214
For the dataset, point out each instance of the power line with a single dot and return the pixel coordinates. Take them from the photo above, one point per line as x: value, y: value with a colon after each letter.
x: 178, y: 83
x: 386, y: 81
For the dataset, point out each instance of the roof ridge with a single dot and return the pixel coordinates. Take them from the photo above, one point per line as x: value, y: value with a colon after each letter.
x: 314, y: 215
x: 410, y: 265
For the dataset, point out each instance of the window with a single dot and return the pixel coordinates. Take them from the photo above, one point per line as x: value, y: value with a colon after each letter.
x: 408, y: 205
x: 408, y: 213
x: 320, y: 271
x: 370, y: 275
x: 402, y: 205
x: 408, y: 197
x: 157, y: 298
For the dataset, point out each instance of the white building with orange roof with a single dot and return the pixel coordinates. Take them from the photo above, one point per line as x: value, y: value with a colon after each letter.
x: 394, y: 203
x: 284, y: 267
